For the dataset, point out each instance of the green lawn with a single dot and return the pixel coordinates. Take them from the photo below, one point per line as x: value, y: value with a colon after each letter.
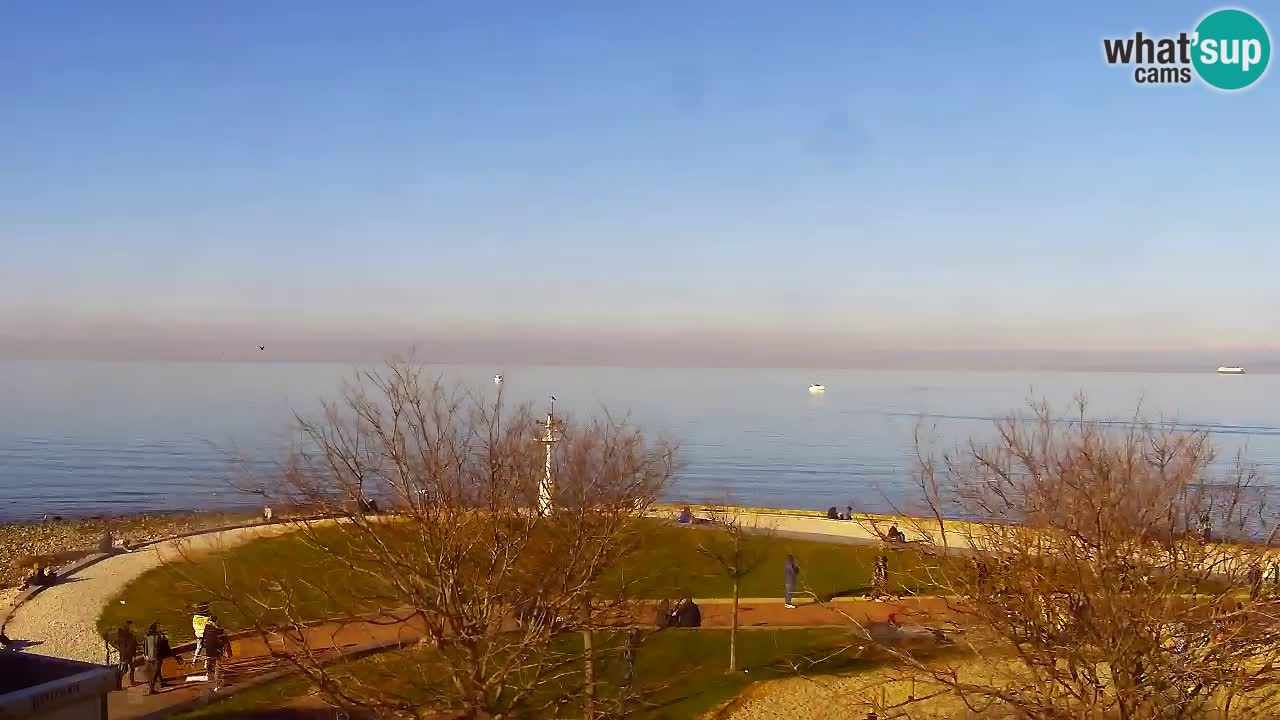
x: 168, y: 594
x: 672, y: 559
x: 668, y: 561
x: 686, y: 667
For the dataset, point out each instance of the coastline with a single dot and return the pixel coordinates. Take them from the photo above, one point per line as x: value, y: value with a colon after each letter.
x: 56, y: 542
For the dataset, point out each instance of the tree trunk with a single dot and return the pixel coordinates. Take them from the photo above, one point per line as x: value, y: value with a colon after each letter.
x: 733, y: 631
x: 588, y: 665
x: 589, y: 676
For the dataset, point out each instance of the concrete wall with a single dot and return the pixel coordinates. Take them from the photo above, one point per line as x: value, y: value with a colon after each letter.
x: 54, y: 689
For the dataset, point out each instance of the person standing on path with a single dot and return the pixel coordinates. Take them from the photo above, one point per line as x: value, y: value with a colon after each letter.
x: 127, y: 646
x: 155, y: 648
x: 790, y: 573
x: 216, y: 647
x: 199, y: 621
x: 880, y: 578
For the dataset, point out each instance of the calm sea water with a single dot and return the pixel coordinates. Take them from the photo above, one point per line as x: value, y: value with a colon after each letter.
x: 80, y: 439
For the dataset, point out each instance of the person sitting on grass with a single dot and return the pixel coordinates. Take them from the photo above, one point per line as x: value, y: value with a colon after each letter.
x: 832, y: 513
x: 895, y: 535
x: 686, y: 517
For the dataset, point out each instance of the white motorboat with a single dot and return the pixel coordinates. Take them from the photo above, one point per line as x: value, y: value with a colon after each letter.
x: 1230, y: 371
x: 817, y: 388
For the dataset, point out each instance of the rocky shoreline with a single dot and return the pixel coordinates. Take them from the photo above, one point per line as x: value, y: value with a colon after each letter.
x: 58, y: 541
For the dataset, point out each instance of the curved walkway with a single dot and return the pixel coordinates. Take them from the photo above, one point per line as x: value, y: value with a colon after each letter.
x: 257, y: 658
x: 61, y: 621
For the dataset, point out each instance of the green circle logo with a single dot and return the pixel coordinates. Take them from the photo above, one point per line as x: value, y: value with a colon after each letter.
x: 1232, y: 49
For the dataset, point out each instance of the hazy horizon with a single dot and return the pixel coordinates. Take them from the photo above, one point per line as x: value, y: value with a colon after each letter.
x: 658, y: 185
x: 721, y: 358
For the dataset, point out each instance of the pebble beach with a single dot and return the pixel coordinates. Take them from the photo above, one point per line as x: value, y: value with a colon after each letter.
x: 57, y: 541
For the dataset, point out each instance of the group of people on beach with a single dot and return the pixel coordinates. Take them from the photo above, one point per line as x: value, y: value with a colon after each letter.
x: 40, y: 576
x: 211, y: 641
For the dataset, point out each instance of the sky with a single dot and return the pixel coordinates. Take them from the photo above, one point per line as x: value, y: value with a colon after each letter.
x: 661, y: 183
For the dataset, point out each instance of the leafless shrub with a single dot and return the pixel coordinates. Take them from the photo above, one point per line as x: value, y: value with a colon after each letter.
x: 1102, y: 572
x: 432, y: 491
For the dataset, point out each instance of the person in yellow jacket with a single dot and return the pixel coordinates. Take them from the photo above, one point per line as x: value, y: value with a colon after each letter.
x: 199, y: 621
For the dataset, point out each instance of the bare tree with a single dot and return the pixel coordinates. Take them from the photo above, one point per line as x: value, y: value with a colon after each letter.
x: 460, y: 558
x: 737, y: 548
x: 1082, y: 580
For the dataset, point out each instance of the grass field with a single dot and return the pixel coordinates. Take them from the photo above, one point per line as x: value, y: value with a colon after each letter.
x: 685, y: 667
x: 668, y: 560
x: 826, y: 569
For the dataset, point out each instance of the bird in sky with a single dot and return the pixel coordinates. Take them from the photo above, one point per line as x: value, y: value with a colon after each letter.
x: 262, y: 347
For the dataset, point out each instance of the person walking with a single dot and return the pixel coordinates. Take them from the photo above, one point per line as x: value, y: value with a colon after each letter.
x: 216, y: 648
x: 199, y: 621
x: 790, y: 574
x: 155, y: 648
x: 127, y: 647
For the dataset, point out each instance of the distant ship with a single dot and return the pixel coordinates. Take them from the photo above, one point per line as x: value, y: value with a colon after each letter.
x: 817, y: 388
x: 497, y: 379
x: 1230, y: 371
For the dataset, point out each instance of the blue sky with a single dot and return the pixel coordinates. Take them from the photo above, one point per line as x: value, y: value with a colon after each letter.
x: 666, y: 183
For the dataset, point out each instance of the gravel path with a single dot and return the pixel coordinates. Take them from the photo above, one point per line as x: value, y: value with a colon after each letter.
x: 794, y: 698
x: 824, y: 697
x: 62, y: 619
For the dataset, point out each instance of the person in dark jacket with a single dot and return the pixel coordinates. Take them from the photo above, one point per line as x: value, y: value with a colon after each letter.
x: 155, y: 648
x: 216, y: 647
x: 790, y: 574
x: 127, y: 646
x: 686, y: 614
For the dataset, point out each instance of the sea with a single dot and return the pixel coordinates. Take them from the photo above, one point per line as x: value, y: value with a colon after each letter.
x: 84, y: 439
